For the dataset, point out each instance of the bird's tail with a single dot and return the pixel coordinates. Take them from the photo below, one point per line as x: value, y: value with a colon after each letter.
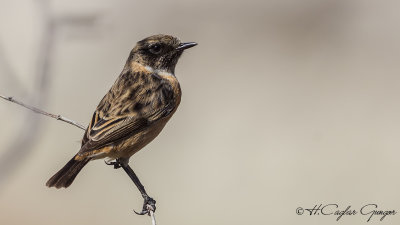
x: 67, y: 174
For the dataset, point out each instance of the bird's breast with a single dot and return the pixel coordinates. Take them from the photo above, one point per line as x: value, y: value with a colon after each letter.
x: 176, y: 88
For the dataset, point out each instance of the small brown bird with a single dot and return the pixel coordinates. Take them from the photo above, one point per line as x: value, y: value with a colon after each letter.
x: 133, y: 112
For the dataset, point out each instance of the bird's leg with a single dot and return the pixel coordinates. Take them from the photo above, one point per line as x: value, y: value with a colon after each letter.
x: 149, y: 203
x: 116, y: 164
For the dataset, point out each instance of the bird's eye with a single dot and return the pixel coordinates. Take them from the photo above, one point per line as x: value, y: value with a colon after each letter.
x: 155, y: 49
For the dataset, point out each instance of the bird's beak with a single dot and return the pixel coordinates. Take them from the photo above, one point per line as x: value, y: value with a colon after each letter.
x: 186, y: 45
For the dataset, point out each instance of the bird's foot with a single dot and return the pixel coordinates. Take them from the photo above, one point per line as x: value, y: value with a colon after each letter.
x: 149, y: 205
x: 115, y: 163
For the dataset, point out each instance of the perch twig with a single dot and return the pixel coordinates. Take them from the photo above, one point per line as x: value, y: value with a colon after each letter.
x: 36, y: 110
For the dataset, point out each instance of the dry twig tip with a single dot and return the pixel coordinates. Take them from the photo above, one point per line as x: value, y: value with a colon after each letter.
x: 39, y: 111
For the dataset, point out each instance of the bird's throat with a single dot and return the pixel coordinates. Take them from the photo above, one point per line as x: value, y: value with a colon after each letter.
x: 135, y: 66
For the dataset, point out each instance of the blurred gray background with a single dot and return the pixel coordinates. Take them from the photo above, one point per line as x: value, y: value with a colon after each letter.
x: 285, y: 104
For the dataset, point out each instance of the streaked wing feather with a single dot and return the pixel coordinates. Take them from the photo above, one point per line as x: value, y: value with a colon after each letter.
x: 94, y: 120
x: 107, y: 131
x: 117, y: 129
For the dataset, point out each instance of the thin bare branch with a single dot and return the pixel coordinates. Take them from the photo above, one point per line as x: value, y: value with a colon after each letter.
x: 36, y: 110
x: 153, y: 218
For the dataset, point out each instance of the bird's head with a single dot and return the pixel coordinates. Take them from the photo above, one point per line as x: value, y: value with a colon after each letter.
x: 159, y: 52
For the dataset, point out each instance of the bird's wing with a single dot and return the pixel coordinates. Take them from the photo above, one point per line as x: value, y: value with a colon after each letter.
x: 108, y: 131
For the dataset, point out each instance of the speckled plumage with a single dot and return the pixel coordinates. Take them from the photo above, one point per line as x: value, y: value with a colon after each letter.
x: 134, y: 111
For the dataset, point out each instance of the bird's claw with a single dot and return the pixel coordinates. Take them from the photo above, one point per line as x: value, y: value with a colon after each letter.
x: 116, y: 164
x: 149, y: 205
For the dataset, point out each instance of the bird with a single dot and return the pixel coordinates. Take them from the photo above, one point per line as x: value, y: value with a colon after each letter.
x: 133, y: 112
